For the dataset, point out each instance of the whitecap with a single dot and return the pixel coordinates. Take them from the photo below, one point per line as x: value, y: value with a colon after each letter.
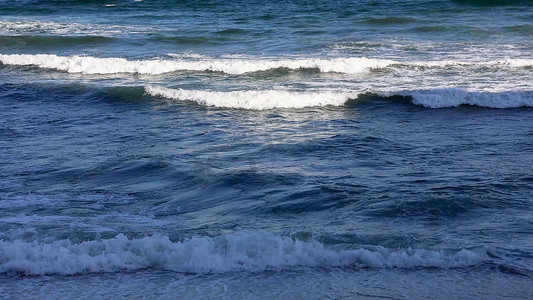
x: 241, y: 251
x: 253, y: 99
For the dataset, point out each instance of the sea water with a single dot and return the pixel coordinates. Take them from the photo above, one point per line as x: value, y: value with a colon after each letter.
x: 266, y: 149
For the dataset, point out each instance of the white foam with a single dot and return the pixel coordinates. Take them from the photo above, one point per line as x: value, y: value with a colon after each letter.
x: 441, y: 98
x: 94, y: 65
x: 253, y: 99
x: 350, y: 65
x: 269, y: 99
x: 243, y: 251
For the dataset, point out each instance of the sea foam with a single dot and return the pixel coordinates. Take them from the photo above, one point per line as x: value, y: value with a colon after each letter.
x: 269, y: 99
x: 346, y: 65
x: 253, y: 99
x: 241, y: 251
x: 441, y: 98
x: 94, y: 65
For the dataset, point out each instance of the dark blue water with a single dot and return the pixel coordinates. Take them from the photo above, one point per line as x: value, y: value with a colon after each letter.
x: 205, y: 149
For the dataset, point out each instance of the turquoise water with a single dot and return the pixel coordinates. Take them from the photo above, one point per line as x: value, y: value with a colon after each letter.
x: 251, y: 149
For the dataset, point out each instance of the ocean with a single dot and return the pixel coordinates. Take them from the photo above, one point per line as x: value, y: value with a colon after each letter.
x: 215, y: 149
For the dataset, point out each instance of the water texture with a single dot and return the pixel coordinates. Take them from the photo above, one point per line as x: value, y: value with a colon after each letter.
x: 249, y: 149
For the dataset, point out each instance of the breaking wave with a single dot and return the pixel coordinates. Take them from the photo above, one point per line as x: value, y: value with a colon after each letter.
x: 94, y: 65
x: 242, y: 251
x: 253, y: 99
x: 350, y: 65
x: 442, y: 98
x: 269, y: 99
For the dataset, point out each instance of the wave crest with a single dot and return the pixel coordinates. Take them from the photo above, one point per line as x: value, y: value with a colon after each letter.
x: 347, y: 65
x: 269, y: 99
x: 243, y: 251
x: 442, y: 98
x: 94, y: 65
x: 257, y: 100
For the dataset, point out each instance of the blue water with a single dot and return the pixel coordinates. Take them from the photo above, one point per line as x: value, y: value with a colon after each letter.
x: 251, y: 149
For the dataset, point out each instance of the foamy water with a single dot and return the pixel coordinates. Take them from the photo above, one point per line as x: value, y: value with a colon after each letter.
x: 251, y: 150
x: 350, y: 65
x: 421, y: 81
x: 269, y: 99
x: 244, y: 251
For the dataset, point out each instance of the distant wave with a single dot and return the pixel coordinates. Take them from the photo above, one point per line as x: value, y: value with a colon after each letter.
x: 57, y: 28
x: 268, y: 99
x: 51, y: 41
x: 242, y: 251
x: 389, y: 20
x: 492, y: 2
x: 350, y: 65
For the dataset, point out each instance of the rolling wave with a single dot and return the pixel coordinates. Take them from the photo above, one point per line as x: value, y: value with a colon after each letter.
x: 441, y: 98
x: 241, y: 251
x: 94, y: 65
x: 350, y: 65
x: 256, y: 100
x: 269, y: 99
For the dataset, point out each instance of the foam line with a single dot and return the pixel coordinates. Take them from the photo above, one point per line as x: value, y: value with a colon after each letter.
x: 257, y: 100
x: 442, y: 98
x: 94, y: 65
x: 350, y: 65
x: 269, y: 99
x: 242, y: 251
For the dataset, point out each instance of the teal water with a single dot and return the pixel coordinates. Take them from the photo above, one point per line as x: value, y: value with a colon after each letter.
x: 251, y: 149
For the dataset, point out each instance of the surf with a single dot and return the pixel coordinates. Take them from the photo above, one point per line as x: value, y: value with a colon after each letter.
x: 235, y: 66
x: 251, y: 251
x: 271, y: 99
